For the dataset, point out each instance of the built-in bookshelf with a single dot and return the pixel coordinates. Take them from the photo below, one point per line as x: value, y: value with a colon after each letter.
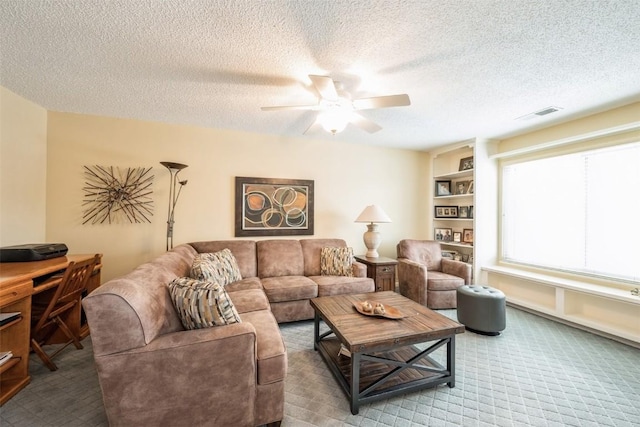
x: 453, y: 201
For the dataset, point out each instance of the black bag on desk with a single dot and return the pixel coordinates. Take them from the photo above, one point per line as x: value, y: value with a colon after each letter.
x: 32, y: 252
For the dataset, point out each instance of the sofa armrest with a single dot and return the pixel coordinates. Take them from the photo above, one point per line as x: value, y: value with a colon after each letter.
x: 457, y: 268
x: 359, y: 269
x: 186, y: 375
x: 412, y: 280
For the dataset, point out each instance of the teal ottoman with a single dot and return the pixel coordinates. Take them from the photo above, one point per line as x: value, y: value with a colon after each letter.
x: 481, y: 309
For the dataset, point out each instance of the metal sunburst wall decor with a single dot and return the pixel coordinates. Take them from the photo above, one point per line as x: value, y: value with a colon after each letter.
x: 114, y: 195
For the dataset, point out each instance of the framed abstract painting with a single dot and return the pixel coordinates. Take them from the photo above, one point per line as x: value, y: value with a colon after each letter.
x: 273, y: 207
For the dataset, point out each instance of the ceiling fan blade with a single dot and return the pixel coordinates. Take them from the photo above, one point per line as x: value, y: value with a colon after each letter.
x: 365, y: 124
x: 382, y: 102
x: 314, y: 127
x: 290, y: 107
x: 325, y: 87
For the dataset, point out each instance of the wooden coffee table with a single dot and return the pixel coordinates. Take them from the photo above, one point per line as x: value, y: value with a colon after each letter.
x: 384, y: 361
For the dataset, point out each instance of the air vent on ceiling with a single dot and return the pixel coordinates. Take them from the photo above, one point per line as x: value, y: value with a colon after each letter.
x: 539, y: 113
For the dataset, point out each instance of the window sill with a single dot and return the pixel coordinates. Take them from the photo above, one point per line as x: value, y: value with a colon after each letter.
x: 559, y: 282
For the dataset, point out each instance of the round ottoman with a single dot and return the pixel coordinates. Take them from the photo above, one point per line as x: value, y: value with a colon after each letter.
x: 481, y: 309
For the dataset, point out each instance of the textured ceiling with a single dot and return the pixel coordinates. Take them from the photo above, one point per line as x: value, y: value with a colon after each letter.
x: 470, y: 67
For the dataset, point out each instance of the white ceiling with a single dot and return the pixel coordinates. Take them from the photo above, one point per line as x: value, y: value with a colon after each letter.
x: 470, y: 67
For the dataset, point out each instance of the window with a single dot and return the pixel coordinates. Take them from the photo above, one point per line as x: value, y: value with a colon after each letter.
x: 576, y: 212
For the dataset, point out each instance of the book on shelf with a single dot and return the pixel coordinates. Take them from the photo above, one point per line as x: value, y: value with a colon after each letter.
x: 8, y: 317
x: 449, y: 254
x: 5, y: 356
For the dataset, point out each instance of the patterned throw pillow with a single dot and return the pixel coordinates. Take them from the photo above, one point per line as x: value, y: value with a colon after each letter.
x: 219, y: 267
x: 336, y: 262
x: 202, y: 304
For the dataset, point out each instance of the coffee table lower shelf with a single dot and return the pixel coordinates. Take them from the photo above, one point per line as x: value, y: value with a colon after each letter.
x: 380, y: 375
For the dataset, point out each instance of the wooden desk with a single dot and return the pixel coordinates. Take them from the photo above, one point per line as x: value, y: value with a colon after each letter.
x: 19, y: 282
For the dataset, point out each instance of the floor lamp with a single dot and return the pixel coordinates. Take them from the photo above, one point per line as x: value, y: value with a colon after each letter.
x: 174, y: 170
x: 372, y: 214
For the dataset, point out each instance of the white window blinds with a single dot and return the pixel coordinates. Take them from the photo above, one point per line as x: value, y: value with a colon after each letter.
x: 578, y: 212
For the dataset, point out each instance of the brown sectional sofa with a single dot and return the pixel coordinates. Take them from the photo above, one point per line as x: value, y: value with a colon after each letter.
x: 153, y: 372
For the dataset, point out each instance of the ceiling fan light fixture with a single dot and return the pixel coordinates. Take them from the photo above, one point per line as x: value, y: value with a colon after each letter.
x: 334, y: 120
x: 336, y: 109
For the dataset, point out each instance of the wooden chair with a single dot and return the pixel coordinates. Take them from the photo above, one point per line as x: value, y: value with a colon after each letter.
x: 48, y: 317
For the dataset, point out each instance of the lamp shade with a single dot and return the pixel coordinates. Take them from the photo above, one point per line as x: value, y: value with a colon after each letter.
x: 173, y: 165
x: 373, y: 213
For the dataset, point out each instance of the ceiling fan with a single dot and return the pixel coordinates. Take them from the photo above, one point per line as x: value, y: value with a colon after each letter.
x: 337, y: 109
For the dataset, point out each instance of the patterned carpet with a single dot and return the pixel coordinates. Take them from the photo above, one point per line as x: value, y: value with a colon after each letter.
x: 537, y: 373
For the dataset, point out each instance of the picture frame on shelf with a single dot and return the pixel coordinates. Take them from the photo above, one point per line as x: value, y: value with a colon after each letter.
x: 446, y: 212
x: 443, y: 188
x: 442, y: 234
x: 470, y: 188
x: 465, y: 257
x: 457, y: 236
x: 463, y: 211
x: 461, y: 187
x: 467, y: 235
x: 471, y: 211
x: 466, y: 163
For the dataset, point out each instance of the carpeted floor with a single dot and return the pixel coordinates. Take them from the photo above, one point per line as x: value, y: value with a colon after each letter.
x: 537, y: 373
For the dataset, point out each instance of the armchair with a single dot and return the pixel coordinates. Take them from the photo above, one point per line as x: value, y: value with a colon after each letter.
x: 426, y: 277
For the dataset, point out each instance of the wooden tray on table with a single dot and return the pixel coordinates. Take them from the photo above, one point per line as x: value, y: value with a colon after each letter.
x: 389, y: 311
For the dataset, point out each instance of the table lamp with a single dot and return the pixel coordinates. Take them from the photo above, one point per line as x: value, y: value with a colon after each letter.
x: 372, y: 214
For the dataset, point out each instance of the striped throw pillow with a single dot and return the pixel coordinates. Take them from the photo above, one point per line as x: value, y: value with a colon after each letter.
x: 219, y: 267
x: 336, y: 261
x: 202, y: 304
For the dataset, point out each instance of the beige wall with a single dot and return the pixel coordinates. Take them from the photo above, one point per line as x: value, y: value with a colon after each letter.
x: 43, y: 154
x: 347, y: 178
x: 596, y: 122
x: 23, y: 170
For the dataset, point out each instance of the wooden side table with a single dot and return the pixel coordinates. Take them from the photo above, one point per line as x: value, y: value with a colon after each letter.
x: 382, y: 270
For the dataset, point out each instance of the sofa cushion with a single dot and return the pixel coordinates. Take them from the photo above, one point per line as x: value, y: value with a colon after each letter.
x: 244, y: 284
x: 202, y: 304
x: 437, y: 281
x: 340, y: 285
x: 311, y: 251
x: 427, y: 252
x: 243, y: 250
x: 279, y: 258
x: 217, y: 267
x: 336, y: 262
x: 271, y: 351
x: 289, y: 288
x: 249, y: 300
